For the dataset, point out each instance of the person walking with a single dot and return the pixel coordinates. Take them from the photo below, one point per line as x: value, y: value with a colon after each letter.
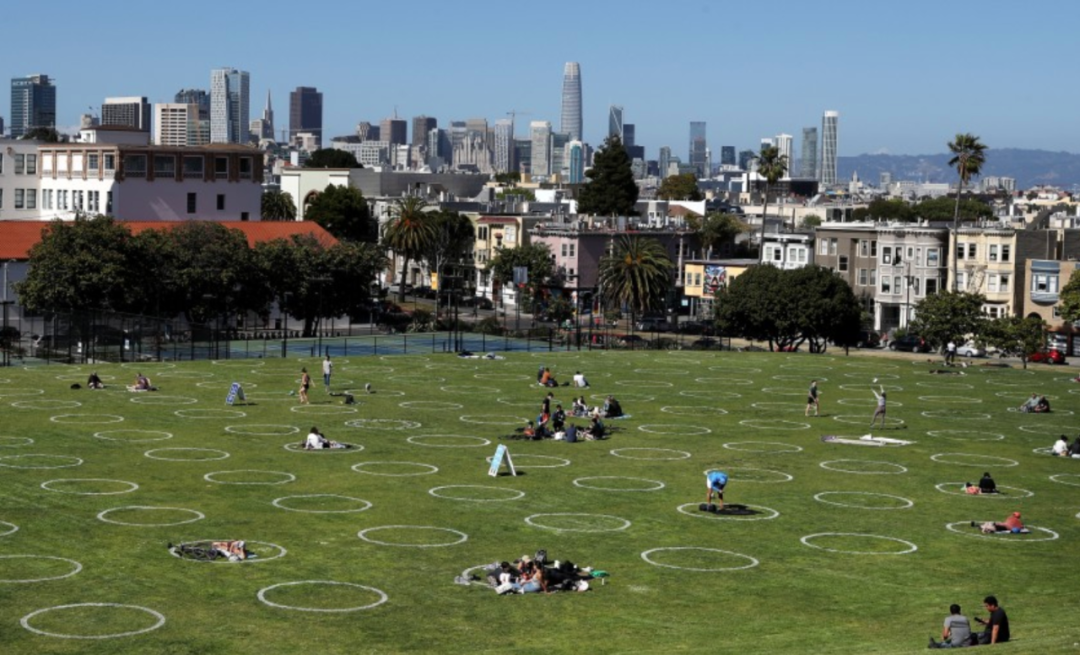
x: 812, y: 400
x: 305, y: 384
x: 880, y: 410
x: 327, y: 371
x: 950, y: 353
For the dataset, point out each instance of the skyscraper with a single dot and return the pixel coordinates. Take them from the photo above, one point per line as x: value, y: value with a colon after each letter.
x: 784, y: 143
x: 305, y: 112
x: 629, y: 135
x: 421, y: 127
x: 503, y: 154
x: 829, y: 129
x: 178, y: 124
x: 570, y: 122
x: 698, y: 146
x: 727, y: 155
x: 230, y: 103
x: 665, y: 161
x: 393, y: 131
x: 263, y: 128
x: 194, y: 97
x: 809, y: 154
x: 615, y: 121
x: 540, y: 133
x: 33, y: 104
x: 575, y: 161
x: 133, y: 112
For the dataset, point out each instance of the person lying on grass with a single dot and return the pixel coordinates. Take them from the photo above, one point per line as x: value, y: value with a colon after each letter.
x: 1012, y: 524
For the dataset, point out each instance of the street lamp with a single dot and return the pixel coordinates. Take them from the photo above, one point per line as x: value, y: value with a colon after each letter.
x: 318, y: 319
x: 283, y: 308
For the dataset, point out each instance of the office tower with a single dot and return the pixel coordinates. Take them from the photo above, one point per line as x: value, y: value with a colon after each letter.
x: 438, y: 148
x: 727, y: 155
x: 178, y: 124
x: 457, y: 135
x: 766, y: 142
x: 133, y: 112
x: 698, y: 147
x: 575, y: 162
x: 746, y: 157
x: 665, y: 161
x: 809, y: 153
x: 421, y: 127
x: 636, y: 152
x: 884, y: 179
x: 196, y: 97
x: 1, y: 126
x: 540, y: 134
x: 523, y: 156
x: 629, y: 135
x: 828, y: 147
x: 230, y: 112
x: 306, y: 113
x: 784, y: 144
x: 366, y: 131
x: 33, y: 104
x: 503, y: 155
x: 559, y: 164
x: 615, y: 121
x: 570, y: 123
x: 393, y: 130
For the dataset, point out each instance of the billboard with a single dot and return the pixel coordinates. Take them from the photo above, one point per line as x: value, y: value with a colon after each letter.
x: 715, y: 279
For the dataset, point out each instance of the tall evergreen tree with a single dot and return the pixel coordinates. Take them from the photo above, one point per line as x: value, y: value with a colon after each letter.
x: 611, y: 190
x: 771, y: 166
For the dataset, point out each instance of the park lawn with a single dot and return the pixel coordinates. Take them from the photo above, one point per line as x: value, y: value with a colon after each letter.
x: 742, y: 412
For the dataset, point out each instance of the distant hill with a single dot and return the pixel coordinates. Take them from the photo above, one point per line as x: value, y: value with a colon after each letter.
x: 1029, y: 167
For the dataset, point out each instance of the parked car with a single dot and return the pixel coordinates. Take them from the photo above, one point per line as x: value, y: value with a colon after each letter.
x: 910, y: 343
x: 478, y: 302
x: 868, y: 339
x: 697, y: 327
x: 633, y: 341
x: 969, y: 349
x: 1050, y: 356
x: 396, y: 288
x: 653, y: 325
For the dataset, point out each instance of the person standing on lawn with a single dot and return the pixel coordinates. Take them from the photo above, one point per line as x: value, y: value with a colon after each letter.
x: 327, y: 371
x: 715, y: 481
x: 880, y: 410
x: 812, y: 399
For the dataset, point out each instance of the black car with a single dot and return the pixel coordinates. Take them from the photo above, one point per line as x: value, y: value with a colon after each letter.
x: 478, y: 301
x: 910, y: 343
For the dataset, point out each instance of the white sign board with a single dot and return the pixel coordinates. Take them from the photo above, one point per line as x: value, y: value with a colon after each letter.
x: 496, y: 461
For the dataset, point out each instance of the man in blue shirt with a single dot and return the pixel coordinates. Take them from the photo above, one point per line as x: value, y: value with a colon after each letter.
x: 715, y: 483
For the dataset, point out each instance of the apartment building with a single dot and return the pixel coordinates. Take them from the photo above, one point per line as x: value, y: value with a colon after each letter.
x: 19, y: 188
x: 911, y: 265
x: 991, y: 261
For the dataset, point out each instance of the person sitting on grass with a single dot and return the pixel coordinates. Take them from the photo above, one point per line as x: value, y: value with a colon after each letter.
x: 315, y: 440
x: 1043, y: 406
x: 547, y: 379
x: 234, y: 551
x: 580, y: 381
x: 596, y: 429
x: 570, y: 434
x: 1074, y: 449
x: 1061, y: 447
x: 956, y: 633
x: 715, y: 481
x: 612, y: 408
x: 997, y: 626
x: 530, y: 431
x: 987, y: 484
x: 1030, y: 404
x: 142, y: 383
x: 580, y: 407
x: 558, y: 418
x: 972, y: 489
x: 94, y: 382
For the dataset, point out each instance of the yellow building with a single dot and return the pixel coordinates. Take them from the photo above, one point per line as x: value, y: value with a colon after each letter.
x: 703, y: 278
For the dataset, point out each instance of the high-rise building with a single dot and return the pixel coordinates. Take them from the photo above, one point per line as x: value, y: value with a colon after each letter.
x: 615, y: 121
x: 266, y: 123
x: 394, y: 130
x: 503, y: 154
x: 766, y: 142
x: 575, y: 162
x: 230, y: 104
x: 784, y: 143
x: 306, y: 112
x: 829, y: 127
x: 421, y: 127
x: 523, y: 156
x: 665, y: 161
x: 570, y: 122
x: 178, y: 124
x: 629, y: 135
x: 809, y: 154
x: 698, y: 146
x: 746, y: 159
x: 194, y: 97
x: 133, y: 112
x: 367, y: 132
x: 540, y: 133
x: 33, y: 104
x: 727, y: 155
x: 559, y: 163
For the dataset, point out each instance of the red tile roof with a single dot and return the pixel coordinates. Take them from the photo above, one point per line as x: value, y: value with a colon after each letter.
x: 17, y: 237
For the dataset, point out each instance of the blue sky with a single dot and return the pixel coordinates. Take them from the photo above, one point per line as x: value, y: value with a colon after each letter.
x: 905, y: 77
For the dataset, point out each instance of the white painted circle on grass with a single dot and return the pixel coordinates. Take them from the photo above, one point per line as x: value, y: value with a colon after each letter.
x: 77, y: 567
x: 46, y: 404
x: 76, y: 481
x: 418, y: 380
x: 285, y: 477
x: 210, y: 413
x: 865, y: 402
x: 359, y: 468
x: 945, y: 385
x: 15, y: 393
x: 86, y: 419
x: 501, y: 377
x: 363, y: 534
x: 626, y: 397
x: 862, y: 494
x: 262, y: 596
x: 797, y: 378
x: 239, y: 363
x: 137, y: 436
x: 774, y: 424
x: 868, y: 387
x: 666, y: 428
x: 1073, y: 479
x: 1051, y: 430
x: 493, y: 419
x: 954, y: 400
x: 208, y: 454
x: 763, y: 447
x: 15, y: 442
x: 469, y: 389
x: 966, y: 435
x: 127, y: 508
x: 867, y: 378
x: 729, y: 368
x: 262, y: 430
x: 647, y: 555
x: 661, y: 371
x: 693, y: 509
x: 855, y: 463
x: 644, y: 384
x: 711, y: 395
x: 521, y: 459
x: 323, y: 410
x: 591, y: 483
x: 911, y: 548
x: 72, y: 461
x: 225, y: 385
x: 861, y: 420
x: 157, y: 399
x: 429, y: 404
x: 871, y: 365
x: 978, y: 461
x: 158, y: 616
x: 1010, y: 493
x: 579, y: 522
x: 280, y: 504
x: 1004, y: 536
x: 692, y: 410
x: 259, y: 550
x: 515, y: 494
x: 758, y: 475
x: 725, y: 382
x: 463, y: 441
x: 777, y: 391
x: 295, y: 447
x: 667, y: 452
x: 13, y: 529
x: 191, y: 375
x: 382, y: 424
x: 776, y: 406
x: 518, y: 403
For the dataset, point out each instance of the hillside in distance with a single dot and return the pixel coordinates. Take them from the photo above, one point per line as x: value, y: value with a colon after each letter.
x: 1028, y: 167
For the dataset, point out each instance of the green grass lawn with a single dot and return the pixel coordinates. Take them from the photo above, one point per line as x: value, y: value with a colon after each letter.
x: 741, y: 585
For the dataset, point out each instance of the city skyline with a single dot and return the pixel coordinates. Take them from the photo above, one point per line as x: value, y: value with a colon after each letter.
x: 892, y: 81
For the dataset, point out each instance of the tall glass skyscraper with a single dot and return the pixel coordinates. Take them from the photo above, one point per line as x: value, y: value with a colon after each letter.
x: 615, y: 121
x: 305, y: 112
x: 784, y: 143
x: 503, y: 155
x: 540, y: 131
x: 828, y: 147
x: 33, y: 104
x: 698, y: 157
x: 809, y: 154
x: 571, y: 101
x: 230, y: 103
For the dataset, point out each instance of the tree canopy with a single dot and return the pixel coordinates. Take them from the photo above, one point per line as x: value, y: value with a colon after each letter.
x: 679, y: 187
x: 536, y: 257
x: 409, y: 234
x: 611, y: 190
x: 716, y: 229
x: 343, y: 212
x: 331, y: 158
x: 1069, y: 299
x: 637, y: 274
x: 949, y: 315
x: 771, y: 166
x: 1016, y: 335
x: 943, y: 209
x: 277, y: 205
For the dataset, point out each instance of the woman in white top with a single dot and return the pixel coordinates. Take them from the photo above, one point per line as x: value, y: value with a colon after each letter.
x: 315, y: 440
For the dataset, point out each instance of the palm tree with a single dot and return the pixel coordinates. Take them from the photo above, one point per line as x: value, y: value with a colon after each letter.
x: 278, y: 206
x: 968, y: 157
x: 771, y: 166
x: 409, y: 233
x: 637, y: 273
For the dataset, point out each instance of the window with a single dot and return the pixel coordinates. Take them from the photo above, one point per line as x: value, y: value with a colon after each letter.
x: 776, y: 253
x: 800, y: 255
x: 245, y: 168
x: 110, y: 162
x: 918, y: 256
x: 31, y: 198
x: 20, y: 199
x: 961, y: 280
x: 973, y: 250
x: 873, y: 247
x: 77, y: 200
x: 244, y: 216
x: 46, y: 198
x: 961, y: 248
x: 898, y: 284
x: 1005, y: 252
x: 863, y: 277
x: 1005, y: 283
x: 697, y: 279
x: 832, y: 246
x: 915, y: 285
x: 886, y: 255
x: 221, y: 202
x: 910, y: 253
x: 572, y: 248
x: 164, y: 166
x: 221, y: 167
x: 31, y: 164
x: 843, y: 266
x: 992, y: 280
x: 1, y: 198
x: 108, y: 203
x: 20, y: 164
x: 62, y: 199
x: 564, y: 250
x: 481, y: 234
x: 873, y: 277
x: 93, y: 162
x: 823, y: 247
x: 1, y: 163
x: 993, y: 252
x: 933, y: 257
x: 94, y: 201
x: 1040, y: 283
x: 864, y: 248
x: 931, y: 285
x: 135, y: 165
x: 886, y: 284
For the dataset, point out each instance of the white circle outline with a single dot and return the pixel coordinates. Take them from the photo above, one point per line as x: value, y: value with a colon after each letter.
x: 25, y: 621
x: 118, y: 418
x: 753, y: 561
x: 13, y: 530
x: 484, y: 442
x: 527, y: 456
x: 100, y: 435
x: 935, y: 457
x: 753, y: 423
x: 951, y: 400
x: 733, y: 517
x: 952, y: 414
x: 262, y: 597
x: 232, y: 413
x: 323, y: 410
x: 798, y: 449
x: 941, y: 434
x: 677, y: 410
x: 961, y: 492
x: 79, y: 462
x: 277, y: 503
x: 507, y: 420
x: 577, y: 483
x: 788, y: 476
x: 616, y: 453
x: 684, y: 430
x: 430, y: 405
x: 290, y: 478
x: 1003, y: 536
x: 294, y: 447
x: 817, y: 497
x: 282, y: 552
x: 168, y: 400
x: 248, y: 432
x: 529, y: 521
x: 363, y: 535
x: 856, y: 419
x: 78, y: 567
x: 61, y: 404
x: 805, y: 542
x: 181, y: 459
x: 27, y: 441
x: 378, y: 423
x: 706, y: 393
x: 520, y: 494
x: 102, y: 513
x: 358, y: 468
x: 45, y: 486
x: 903, y: 469
x: 1054, y: 478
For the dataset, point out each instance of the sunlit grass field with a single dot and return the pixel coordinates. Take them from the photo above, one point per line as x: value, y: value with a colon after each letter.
x: 853, y: 549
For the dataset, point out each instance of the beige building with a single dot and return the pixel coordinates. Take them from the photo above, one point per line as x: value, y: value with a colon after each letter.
x: 703, y: 278
x: 992, y: 260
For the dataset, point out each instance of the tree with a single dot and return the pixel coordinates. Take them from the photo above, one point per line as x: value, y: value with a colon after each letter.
x: 944, y: 209
x: 716, y: 230
x: 46, y: 134
x: 331, y: 158
x: 1013, y: 334
x: 343, y: 212
x: 510, y: 178
x: 526, y: 194
x: 827, y: 308
x: 757, y: 305
x: 277, y: 205
x: 679, y: 187
x: 451, y: 244
x: 810, y: 221
x: 771, y: 166
x: 949, y: 315
x: 611, y: 190
x: 535, y: 257
x: 1069, y: 299
x: 636, y: 274
x: 968, y: 158
x: 891, y: 210
x: 409, y: 234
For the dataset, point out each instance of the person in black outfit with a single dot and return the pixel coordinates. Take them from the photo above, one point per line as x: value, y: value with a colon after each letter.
x: 997, y: 626
x: 1074, y: 449
x: 987, y: 484
x: 558, y: 419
